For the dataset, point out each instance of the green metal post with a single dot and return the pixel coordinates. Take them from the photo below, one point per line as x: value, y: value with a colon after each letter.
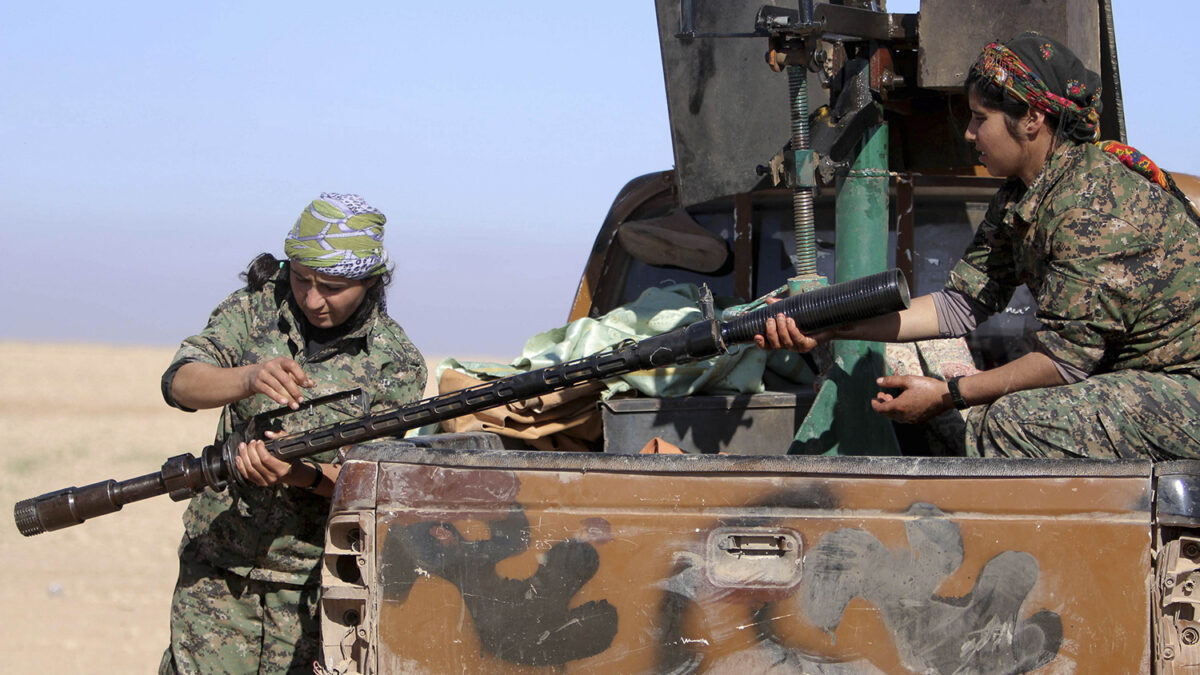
x: 841, y: 421
x: 862, y: 249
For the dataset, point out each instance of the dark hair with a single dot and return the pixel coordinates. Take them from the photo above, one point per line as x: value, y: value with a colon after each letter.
x: 266, y: 267
x: 262, y: 269
x: 993, y: 96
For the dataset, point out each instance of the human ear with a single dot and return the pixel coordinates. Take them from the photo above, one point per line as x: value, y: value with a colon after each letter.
x: 1034, y: 121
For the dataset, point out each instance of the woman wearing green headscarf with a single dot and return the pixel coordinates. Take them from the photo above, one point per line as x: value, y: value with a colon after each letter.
x: 307, y: 326
x: 1109, y: 248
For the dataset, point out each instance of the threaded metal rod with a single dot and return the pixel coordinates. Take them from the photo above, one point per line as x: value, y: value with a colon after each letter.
x: 803, y: 218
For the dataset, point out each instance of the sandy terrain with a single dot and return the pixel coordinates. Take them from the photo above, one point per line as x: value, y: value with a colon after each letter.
x: 93, y: 598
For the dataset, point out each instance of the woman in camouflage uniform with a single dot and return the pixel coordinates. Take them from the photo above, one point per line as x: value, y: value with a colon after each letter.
x: 1110, y: 249
x: 315, y: 324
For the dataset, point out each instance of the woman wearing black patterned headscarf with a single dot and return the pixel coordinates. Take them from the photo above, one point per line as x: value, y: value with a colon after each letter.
x: 1035, y: 72
x: 1110, y: 250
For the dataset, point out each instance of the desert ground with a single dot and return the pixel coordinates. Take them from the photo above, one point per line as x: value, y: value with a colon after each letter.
x: 93, y: 598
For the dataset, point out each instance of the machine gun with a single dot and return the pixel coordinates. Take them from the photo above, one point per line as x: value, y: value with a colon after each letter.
x: 185, y: 475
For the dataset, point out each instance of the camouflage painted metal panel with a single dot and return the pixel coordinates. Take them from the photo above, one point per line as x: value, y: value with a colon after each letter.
x: 530, y: 569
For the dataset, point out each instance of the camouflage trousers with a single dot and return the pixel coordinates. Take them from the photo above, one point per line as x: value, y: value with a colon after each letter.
x: 225, y: 623
x: 1126, y: 414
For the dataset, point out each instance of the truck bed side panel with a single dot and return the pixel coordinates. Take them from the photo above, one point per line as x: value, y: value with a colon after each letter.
x: 752, y: 567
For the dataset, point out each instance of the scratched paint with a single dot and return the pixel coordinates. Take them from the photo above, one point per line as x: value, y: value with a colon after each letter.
x: 618, y: 571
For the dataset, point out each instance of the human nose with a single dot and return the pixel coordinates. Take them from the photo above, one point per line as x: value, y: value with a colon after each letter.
x: 971, y: 131
x: 313, y: 299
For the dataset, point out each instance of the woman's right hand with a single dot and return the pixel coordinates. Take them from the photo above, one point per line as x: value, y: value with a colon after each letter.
x: 281, y: 379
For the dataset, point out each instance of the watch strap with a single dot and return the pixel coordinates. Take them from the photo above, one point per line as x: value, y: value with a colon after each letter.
x: 956, y: 396
x: 317, y: 478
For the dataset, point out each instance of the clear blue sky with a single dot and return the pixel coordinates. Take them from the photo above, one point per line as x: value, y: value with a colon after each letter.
x: 150, y: 149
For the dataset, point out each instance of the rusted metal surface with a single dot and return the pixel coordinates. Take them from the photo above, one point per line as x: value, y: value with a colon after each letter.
x: 357, y: 491
x: 952, y: 32
x: 1112, y: 115
x: 1177, y: 593
x: 763, y: 424
x: 728, y: 111
x: 597, y: 564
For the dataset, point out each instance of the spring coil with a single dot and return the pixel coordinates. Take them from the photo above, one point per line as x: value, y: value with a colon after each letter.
x: 803, y: 217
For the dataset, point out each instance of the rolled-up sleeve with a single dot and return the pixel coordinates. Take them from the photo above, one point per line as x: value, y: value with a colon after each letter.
x: 219, y: 344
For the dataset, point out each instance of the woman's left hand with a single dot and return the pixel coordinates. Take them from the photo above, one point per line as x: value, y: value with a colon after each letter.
x: 259, y: 466
x: 781, y: 332
x: 919, y: 398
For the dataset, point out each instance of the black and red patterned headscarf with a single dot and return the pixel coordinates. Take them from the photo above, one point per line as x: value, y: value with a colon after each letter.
x: 1042, y: 73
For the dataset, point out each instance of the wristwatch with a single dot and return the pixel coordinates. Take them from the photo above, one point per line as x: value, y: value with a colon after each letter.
x: 956, y: 396
x: 320, y: 475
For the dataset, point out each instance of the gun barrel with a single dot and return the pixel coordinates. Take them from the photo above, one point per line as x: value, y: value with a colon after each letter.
x: 822, y: 308
x: 827, y: 307
x: 697, y: 341
x: 185, y: 475
x: 181, y: 476
x: 73, y: 505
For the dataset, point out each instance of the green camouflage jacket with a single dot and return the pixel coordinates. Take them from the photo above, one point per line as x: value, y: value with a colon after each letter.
x: 277, y: 534
x: 1112, y: 260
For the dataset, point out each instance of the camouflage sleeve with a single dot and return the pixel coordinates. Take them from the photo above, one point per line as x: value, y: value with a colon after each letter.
x: 166, y: 383
x: 1077, y: 305
x: 221, y: 342
x: 987, y: 272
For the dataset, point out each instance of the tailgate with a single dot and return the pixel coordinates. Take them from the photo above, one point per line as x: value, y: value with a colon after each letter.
x: 497, y: 561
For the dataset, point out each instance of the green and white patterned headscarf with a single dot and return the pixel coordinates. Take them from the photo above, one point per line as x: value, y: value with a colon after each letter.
x: 340, y: 235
